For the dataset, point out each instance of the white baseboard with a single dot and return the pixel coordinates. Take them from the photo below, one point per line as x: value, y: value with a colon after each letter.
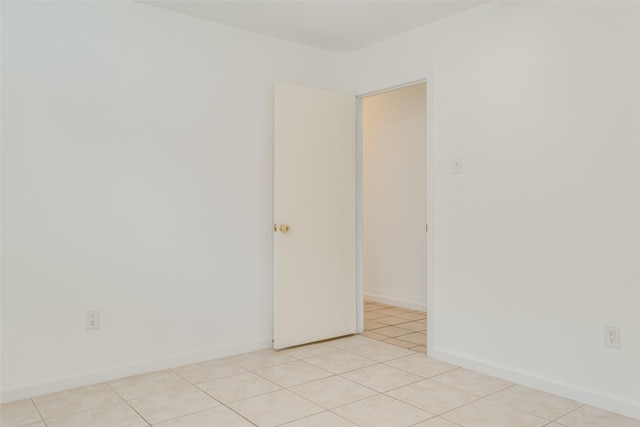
x: 393, y: 301
x: 52, y: 386
x: 603, y: 401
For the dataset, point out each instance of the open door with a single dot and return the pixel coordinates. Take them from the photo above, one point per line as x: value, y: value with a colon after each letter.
x: 315, y: 214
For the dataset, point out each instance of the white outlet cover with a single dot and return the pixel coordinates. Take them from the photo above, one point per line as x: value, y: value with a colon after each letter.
x: 612, y: 337
x: 92, y: 320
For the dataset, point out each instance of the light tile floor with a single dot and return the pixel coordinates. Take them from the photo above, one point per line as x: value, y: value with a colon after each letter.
x: 351, y: 381
x: 395, y: 325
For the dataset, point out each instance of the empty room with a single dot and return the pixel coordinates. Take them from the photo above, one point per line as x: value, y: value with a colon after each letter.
x: 191, y: 222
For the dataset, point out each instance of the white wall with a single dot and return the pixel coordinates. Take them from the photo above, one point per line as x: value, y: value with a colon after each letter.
x: 395, y: 197
x: 136, y: 179
x: 137, y: 168
x: 537, y: 242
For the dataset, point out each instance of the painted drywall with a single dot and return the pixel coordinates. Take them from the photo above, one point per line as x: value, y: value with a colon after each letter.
x: 394, y: 197
x: 136, y: 179
x: 537, y: 241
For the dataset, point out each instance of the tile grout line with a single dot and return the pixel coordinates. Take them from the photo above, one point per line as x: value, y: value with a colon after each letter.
x: 306, y: 363
x: 33, y: 402
x: 245, y: 398
x: 582, y: 405
x: 208, y: 380
x: 240, y: 415
x: 479, y: 398
x: 128, y: 404
x: 507, y: 406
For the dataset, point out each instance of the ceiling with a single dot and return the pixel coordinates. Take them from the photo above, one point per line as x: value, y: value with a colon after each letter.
x: 341, y: 26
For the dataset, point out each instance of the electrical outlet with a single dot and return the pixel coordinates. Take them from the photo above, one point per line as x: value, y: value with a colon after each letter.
x: 92, y: 320
x: 612, y: 337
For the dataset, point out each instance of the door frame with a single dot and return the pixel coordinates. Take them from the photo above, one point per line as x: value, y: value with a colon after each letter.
x: 425, y: 76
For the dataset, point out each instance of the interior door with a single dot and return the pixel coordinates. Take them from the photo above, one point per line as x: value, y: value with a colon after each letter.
x: 315, y: 197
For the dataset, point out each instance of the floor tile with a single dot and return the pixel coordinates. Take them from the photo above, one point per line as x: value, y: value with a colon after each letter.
x: 207, y: 371
x: 116, y: 414
x: 390, y: 311
x: 391, y: 331
x: 415, y: 338
x: 373, y: 315
x: 437, y: 422
x: 275, y: 408
x: 381, y: 378
x: 484, y: 413
x: 412, y: 316
x: 541, y: 404
x: 37, y: 424
x: 75, y: 400
x: 380, y: 352
x: 397, y: 342
x: 588, y: 416
x: 340, y: 362
x: 419, y: 349
x: 18, y: 413
x: 472, y: 382
x: 323, y: 419
x: 333, y: 392
x: 370, y: 325
x: 293, y: 373
x: 382, y: 411
x: 413, y: 326
x: 421, y: 364
x: 145, y: 384
x: 238, y: 387
x: 261, y: 359
x: 374, y: 336
x: 432, y: 397
x: 310, y: 350
x: 350, y: 342
x: 390, y: 320
x: 167, y: 405
x: 216, y: 417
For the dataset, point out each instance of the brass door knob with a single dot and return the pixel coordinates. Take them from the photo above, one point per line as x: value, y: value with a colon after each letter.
x: 284, y: 228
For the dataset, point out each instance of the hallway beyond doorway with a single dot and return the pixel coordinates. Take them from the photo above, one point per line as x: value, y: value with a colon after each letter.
x: 396, y: 325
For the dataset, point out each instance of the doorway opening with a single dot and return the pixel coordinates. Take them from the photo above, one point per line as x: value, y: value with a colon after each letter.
x: 393, y: 215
